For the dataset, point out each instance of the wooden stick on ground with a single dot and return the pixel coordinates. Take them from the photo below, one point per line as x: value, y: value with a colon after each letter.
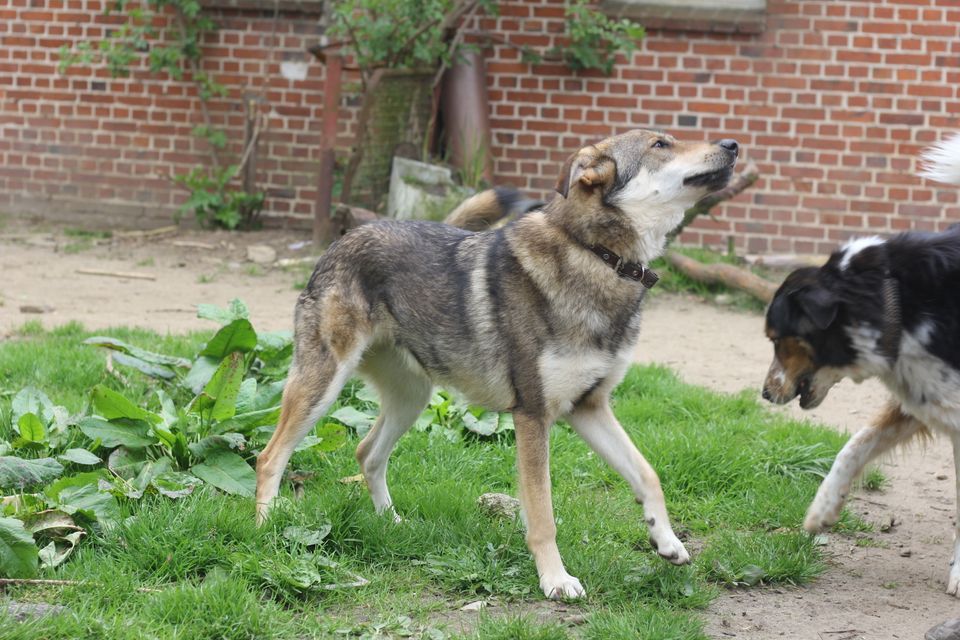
x: 116, y: 274
x: 721, y: 273
x: 61, y: 583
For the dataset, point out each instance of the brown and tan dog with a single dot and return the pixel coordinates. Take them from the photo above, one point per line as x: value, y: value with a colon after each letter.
x: 539, y: 317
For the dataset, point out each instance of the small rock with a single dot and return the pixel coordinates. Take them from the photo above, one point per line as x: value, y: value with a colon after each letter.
x: 906, y: 553
x: 22, y: 611
x: 723, y: 299
x: 949, y: 630
x: 35, y: 308
x: 261, y: 254
x: 574, y: 620
x: 474, y: 606
x: 941, y: 476
x: 499, y: 505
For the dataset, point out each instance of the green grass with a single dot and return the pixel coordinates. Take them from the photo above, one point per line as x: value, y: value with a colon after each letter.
x: 737, y: 481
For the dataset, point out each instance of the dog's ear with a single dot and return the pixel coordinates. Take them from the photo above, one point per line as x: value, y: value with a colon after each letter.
x: 586, y: 167
x: 819, y: 304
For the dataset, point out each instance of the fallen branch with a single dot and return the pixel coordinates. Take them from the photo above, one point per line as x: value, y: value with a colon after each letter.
x: 116, y: 274
x: 61, y: 583
x: 725, y: 274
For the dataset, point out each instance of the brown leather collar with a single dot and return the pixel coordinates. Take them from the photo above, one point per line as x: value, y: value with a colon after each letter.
x: 630, y: 270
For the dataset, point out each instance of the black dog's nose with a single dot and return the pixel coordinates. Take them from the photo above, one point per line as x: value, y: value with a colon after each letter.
x: 766, y: 393
x: 730, y: 145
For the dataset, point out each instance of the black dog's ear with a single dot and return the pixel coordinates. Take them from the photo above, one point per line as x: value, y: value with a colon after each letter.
x: 563, y: 180
x: 820, y: 305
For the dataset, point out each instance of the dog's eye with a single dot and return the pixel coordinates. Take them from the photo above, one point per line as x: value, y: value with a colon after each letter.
x: 660, y: 144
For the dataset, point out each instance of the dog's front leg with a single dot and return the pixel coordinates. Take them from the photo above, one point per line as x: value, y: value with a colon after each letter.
x: 533, y: 462
x: 596, y: 424
x: 953, y: 580
x: 890, y: 429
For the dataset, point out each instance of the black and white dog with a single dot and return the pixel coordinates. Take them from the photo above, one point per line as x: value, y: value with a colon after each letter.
x: 885, y: 308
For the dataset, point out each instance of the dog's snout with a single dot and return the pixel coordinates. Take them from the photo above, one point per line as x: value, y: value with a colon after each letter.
x: 730, y: 145
x: 766, y: 395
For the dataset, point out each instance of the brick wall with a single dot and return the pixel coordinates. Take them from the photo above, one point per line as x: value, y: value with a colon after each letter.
x: 832, y: 101
x: 84, y: 142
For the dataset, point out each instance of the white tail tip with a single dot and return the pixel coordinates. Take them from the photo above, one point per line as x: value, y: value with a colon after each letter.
x: 941, y: 162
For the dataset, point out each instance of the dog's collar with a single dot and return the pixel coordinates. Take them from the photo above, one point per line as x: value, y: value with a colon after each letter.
x: 630, y: 270
x: 892, y: 319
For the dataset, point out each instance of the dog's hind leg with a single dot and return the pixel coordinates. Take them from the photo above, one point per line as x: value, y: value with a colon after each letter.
x: 953, y: 581
x: 307, y: 396
x: 594, y: 421
x: 403, y: 393
x: 533, y: 463
x: 892, y: 428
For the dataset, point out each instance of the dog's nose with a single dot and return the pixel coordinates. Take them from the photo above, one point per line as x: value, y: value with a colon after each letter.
x: 730, y: 145
x: 766, y: 392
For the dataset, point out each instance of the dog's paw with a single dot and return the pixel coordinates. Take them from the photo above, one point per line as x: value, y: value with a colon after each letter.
x: 822, y: 515
x: 669, y: 547
x: 953, y: 580
x: 562, y: 586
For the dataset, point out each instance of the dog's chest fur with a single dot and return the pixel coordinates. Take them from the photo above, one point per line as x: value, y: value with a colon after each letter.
x: 926, y: 386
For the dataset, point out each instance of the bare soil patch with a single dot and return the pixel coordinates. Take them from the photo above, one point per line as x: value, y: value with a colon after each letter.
x: 888, y: 585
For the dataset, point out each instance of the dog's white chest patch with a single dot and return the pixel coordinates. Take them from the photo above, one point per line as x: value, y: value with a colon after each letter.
x: 928, y: 387
x: 566, y: 374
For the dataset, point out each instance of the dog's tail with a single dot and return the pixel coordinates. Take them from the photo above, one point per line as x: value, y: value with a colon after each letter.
x: 941, y: 162
x: 487, y: 208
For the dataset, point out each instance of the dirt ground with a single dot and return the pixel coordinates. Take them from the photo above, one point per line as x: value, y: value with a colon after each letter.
x: 891, y: 589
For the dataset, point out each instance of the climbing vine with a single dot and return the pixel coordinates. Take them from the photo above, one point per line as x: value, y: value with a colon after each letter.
x: 177, y: 52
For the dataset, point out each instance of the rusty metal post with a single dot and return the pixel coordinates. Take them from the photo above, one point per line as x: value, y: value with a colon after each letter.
x: 324, y: 231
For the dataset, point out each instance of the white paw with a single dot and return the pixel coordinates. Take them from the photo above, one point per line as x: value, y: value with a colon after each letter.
x: 562, y: 586
x: 669, y: 547
x: 953, y: 581
x: 822, y: 514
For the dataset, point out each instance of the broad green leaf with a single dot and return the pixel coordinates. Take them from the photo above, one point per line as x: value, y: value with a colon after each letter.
x: 126, y: 463
x: 52, y: 490
x: 245, y: 422
x: 31, y: 400
x: 90, y: 501
x: 50, y: 523
x: 168, y: 411
x: 144, y: 367
x: 80, y: 456
x: 274, y: 340
x: 31, y: 429
x: 136, y: 352
x: 332, y: 437
x: 236, y: 336
x: 133, y: 435
x: 268, y: 395
x: 228, y: 472
x: 112, y: 406
x: 20, y: 473
x: 200, y: 373
x: 223, y: 442
x: 175, y: 484
x: 235, y: 311
x: 219, y: 397
x: 354, y: 418
x: 366, y: 393
x: 485, y: 425
x: 247, y: 395
x: 18, y: 553
x: 59, y: 549
x: 307, y: 537
x: 151, y: 470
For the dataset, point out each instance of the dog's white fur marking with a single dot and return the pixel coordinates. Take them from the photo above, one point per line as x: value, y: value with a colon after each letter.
x: 855, y: 246
x: 564, y: 373
x: 927, y: 386
x: 942, y: 161
x: 655, y: 202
